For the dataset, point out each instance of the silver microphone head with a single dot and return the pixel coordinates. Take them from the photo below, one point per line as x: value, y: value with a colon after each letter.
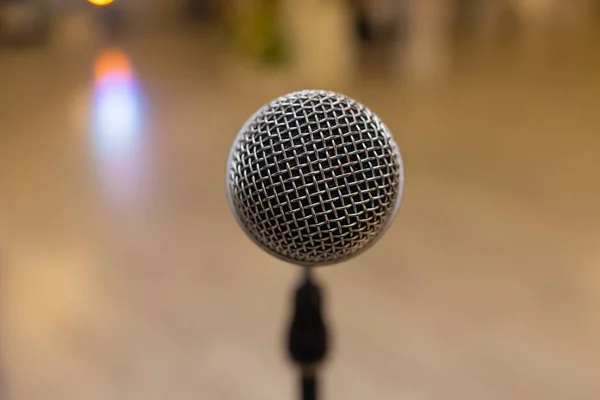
x: 314, y: 177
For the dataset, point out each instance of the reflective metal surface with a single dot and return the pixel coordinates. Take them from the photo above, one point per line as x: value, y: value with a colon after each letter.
x: 314, y: 177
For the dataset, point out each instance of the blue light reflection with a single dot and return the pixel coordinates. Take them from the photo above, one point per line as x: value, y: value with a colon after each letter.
x: 117, y: 109
x: 118, y: 141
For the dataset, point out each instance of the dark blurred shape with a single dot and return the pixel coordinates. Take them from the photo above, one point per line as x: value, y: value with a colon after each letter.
x: 25, y: 22
x: 110, y: 17
x: 200, y: 10
x: 372, y: 29
x: 308, y: 338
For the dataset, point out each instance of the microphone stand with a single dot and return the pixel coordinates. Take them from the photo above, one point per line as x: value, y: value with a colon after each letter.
x: 307, y: 335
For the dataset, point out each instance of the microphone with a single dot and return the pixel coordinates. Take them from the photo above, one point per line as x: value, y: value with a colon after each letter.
x: 313, y: 178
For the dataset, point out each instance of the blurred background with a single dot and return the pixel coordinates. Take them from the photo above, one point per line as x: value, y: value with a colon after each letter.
x: 123, y: 274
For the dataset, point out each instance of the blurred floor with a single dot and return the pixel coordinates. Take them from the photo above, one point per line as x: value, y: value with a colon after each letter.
x: 124, y: 275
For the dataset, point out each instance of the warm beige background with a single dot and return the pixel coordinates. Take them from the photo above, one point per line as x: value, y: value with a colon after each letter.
x: 127, y: 278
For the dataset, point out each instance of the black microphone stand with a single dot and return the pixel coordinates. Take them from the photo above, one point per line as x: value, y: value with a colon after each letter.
x: 307, y: 335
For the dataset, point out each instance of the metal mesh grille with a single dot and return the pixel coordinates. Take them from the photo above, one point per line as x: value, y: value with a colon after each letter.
x: 314, y: 177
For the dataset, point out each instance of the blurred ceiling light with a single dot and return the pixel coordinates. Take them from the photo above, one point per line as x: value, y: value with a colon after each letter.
x: 113, y: 65
x: 117, y: 105
x: 101, y: 2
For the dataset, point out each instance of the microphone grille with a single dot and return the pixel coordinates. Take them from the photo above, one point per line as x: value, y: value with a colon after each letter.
x: 314, y: 177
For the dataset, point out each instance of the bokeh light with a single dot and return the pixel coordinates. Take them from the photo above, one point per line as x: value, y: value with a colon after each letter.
x: 117, y: 105
x: 101, y: 3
